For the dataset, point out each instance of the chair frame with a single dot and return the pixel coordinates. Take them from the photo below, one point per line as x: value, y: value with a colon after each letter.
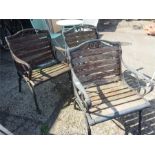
x: 24, y: 69
x: 84, y: 103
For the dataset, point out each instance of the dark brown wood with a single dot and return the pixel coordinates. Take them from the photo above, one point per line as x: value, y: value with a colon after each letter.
x: 92, y: 69
x: 97, y: 63
x: 89, y: 52
x: 84, y: 33
x: 29, y: 37
x: 111, y: 56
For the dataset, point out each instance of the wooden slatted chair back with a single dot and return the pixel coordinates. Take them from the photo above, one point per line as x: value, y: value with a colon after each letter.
x: 97, y: 62
x: 31, y: 45
x: 82, y: 34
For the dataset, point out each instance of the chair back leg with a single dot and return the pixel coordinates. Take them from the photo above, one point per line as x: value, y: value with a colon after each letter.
x: 35, y: 98
x: 140, y: 122
x: 19, y: 82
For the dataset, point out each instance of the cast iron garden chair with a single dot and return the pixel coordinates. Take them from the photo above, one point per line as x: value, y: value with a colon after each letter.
x: 99, y: 87
x: 34, y: 58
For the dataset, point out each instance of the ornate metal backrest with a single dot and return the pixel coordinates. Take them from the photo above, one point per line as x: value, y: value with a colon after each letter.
x: 97, y: 62
x: 80, y: 34
x: 32, y: 46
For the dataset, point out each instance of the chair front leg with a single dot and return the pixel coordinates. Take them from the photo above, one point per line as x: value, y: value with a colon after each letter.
x: 87, y: 126
x: 35, y: 98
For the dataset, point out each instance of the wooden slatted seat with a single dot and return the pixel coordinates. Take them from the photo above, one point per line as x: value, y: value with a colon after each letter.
x: 100, y: 90
x: 42, y: 75
x: 113, y: 98
x: 35, y: 58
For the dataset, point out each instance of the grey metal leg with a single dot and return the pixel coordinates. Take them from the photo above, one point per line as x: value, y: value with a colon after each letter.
x: 87, y: 126
x: 140, y: 122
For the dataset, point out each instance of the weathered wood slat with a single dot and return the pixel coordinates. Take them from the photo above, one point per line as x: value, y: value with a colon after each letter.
x: 101, y: 81
x: 43, y: 75
x: 116, y: 106
x: 32, y: 46
x: 40, y: 60
x: 32, y: 58
x: 20, y: 45
x: 77, y: 42
x: 79, y: 35
x: 106, y: 87
x: 112, y: 97
x: 88, y: 52
x: 75, y: 38
x: 28, y: 37
x: 79, y: 39
x: 95, y: 64
x: 107, y: 92
x: 26, y: 53
x: 86, y: 71
x: 100, y: 75
x: 110, y: 56
x: 49, y: 70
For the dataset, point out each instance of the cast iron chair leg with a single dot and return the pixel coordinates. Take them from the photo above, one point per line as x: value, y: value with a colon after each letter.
x: 19, y: 82
x: 140, y: 122
x: 35, y: 100
x: 88, y: 126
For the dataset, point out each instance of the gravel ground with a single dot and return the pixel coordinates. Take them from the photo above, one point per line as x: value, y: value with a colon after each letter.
x: 17, y: 110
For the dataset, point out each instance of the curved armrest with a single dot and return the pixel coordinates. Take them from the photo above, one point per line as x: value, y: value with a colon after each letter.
x: 136, y: 73
x: 22, y: 66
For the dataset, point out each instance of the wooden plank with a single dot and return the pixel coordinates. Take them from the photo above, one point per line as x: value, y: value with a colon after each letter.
x: 108, y: 57
x: 101, y: 81
x: 119, y: 100
x: 113, y: 107
x: 32, y: 46
x: 43, y: 76
x: 41, y: 60
x: 26, y: 53
x: 49, y: 70
x: 100, y: 75
x: 106, y: 87
x: 20, y: 45
x: 78, y: 35
x: 95, y: 64
x: 78, y: 42
x: 29, y: 37
x: 113, y: 96
x: 92, y: 69
x: 88, y: 52
x: 108, y: 91
x: 74, y: 39
x: 37, y: 56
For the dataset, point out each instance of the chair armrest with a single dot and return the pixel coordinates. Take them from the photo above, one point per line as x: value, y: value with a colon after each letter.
x: 62, y: 51
x: 22, y: 66
x: 137, y: 74
x: 79, y: 86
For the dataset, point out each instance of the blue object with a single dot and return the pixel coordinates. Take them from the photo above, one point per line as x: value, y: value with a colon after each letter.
x: 43, y: 25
